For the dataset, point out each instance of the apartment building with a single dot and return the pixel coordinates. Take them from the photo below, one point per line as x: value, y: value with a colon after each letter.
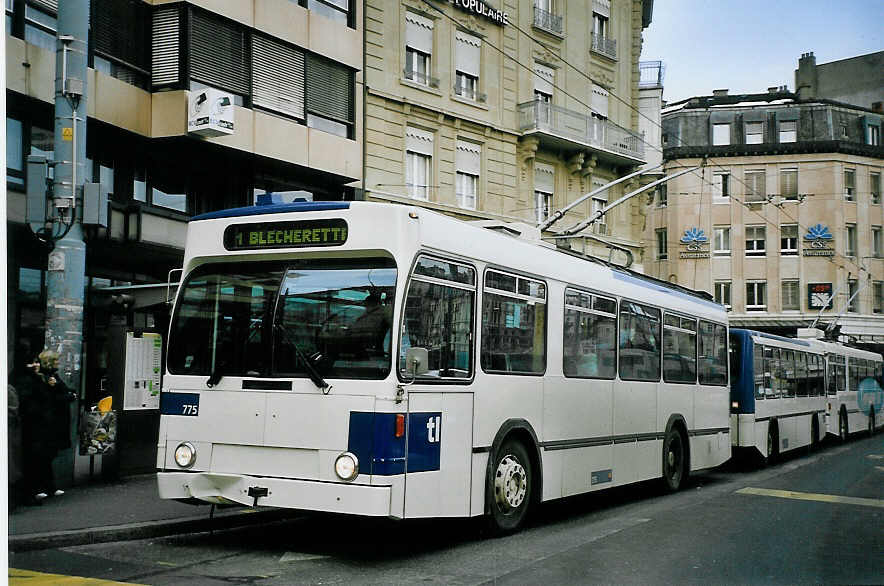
x: 290, y: 72
x: 783, y: 220
x: 506, y: 111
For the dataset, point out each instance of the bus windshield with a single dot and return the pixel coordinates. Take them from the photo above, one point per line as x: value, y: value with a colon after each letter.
x: 267, y: 319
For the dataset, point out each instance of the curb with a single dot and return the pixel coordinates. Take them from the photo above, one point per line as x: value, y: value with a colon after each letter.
x: 145, y: 530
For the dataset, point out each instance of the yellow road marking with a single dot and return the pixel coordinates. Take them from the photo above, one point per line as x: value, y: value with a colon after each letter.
x: 809, y: 496
x: 875, y: 456
x: 30, y: 578
x: 881, y: 468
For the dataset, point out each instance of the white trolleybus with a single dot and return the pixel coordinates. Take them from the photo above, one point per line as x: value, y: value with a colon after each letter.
x: 855, y: 399
x: 389, y: 361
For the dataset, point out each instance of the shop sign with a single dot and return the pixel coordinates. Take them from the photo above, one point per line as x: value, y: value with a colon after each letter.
x: 696, y: 244
x: 818, y: 241
x: 819, y: 295
x: 210, y: 113
x: 482, y: 9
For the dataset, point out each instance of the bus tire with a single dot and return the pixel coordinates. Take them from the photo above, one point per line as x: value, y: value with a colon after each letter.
x: 843, y: 430
x: 872, y: 420
x: 773, y: 443
x: 510, y: 486
x: 674, y: 460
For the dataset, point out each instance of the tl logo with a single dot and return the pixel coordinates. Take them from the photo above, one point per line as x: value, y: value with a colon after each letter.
x: 434, y: 429
x: 694, y: 238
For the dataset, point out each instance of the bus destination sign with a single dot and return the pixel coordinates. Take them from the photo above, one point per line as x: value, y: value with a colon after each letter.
x: 299, y: 234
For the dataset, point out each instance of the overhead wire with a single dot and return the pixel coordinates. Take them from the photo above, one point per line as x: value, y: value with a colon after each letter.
x: 629, y: 105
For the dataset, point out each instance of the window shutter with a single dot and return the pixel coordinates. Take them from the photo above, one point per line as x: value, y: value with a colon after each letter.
x: 164, y: 46
x: 468, y: 157
x: 789, y: 180
x: 468, y: 53
x: 218, y: 53
x: 419, y: 141
x: 47, y: 5
x: 544, y: 178
x: 544, y: 78
x: 119, y: 30
x: 599, y: 101
x: 277, y: 76
x: 329, y: 89
x: 602, y: 7
x: 419, y: 33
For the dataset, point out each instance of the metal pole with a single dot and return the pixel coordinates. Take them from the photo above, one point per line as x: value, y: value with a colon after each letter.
x: 598, y: 215
x: 559, y: 214
x: 66, y: 275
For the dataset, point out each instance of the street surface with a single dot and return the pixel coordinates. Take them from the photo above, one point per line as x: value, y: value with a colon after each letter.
x: 813, y: 518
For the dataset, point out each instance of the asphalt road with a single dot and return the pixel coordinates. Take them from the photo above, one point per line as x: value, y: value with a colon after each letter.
x: 814, y: 518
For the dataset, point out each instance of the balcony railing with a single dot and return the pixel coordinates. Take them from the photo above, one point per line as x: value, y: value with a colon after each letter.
x: 604, y: 46
x: 650, y: 74
x: 580, y: 128
x: 469, y: 94
x: 543, y: 19
x: 421, y: 78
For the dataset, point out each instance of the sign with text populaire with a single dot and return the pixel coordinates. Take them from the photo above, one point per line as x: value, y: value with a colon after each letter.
x: 479, y: 7
x: 294, y: 234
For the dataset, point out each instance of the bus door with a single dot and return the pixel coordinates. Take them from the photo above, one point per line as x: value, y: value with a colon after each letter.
x: 438, y: 453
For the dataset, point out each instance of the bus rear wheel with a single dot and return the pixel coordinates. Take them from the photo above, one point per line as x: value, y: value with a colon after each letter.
x: 872, y: 420
x: 510, y: 487
x: 674, y: 461
x: 814, y: 434
x: 842, y: 427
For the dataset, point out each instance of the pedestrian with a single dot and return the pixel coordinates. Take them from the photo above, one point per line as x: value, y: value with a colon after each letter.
x: 14, y: 459
x: 45, y: 415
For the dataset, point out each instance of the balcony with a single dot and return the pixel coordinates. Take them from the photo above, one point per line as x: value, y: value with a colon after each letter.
x: 650, y: 74
x: 547, y: 21
x: 604, y: 46
x: 558, y: 127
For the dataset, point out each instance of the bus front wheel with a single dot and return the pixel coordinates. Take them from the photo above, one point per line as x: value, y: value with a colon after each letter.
x: 842, y: 426
x: 872, y: 420
x: 510, y: 486
x: 674, y: 460
x: 773, y: 444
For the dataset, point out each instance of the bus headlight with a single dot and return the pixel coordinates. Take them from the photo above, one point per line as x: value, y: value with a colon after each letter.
x: 185, y: 455
x: 347, y: 466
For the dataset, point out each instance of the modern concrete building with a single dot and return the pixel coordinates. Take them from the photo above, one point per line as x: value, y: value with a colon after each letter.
x: 290, y: 72
x: 787, y: 208
x: 506, y: 110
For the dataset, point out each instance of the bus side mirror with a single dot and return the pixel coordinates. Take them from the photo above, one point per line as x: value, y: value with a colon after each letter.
x: 416, y: 360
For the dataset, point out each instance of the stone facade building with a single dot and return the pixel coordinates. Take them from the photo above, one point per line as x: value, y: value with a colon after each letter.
x: 786, y: 209
x: 506, y: 112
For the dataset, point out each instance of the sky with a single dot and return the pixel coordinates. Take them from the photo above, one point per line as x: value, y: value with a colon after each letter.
x: 750, y: 45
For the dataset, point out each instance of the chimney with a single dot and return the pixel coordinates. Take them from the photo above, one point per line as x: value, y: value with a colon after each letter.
x: 805, y: 77
x: 719, y: 93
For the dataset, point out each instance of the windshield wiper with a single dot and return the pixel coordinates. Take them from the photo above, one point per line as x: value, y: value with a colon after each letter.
x: 308, y: 363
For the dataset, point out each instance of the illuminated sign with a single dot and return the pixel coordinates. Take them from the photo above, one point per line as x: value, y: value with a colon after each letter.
x: 301, y: 234
x: 478, y: 7
x: 819, y: 295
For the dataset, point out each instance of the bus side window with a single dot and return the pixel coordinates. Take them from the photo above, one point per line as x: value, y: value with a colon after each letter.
x: 639, y: 342
x: 712, y: 354
x: 513, y: 324
x: 769, y: 366
x: 758, y: 364
x: 589, y: 336
x: 438, y: 316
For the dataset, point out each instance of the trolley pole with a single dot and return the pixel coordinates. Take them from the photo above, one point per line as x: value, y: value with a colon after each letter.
x: 66, y: 271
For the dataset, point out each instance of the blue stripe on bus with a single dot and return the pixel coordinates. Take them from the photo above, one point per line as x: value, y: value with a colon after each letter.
x: 278, y: 208
x: 661, y: 288
x: 179, y: 404
x: 372, y: 439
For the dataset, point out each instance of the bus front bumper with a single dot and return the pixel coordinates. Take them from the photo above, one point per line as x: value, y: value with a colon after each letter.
x: 332, y: 497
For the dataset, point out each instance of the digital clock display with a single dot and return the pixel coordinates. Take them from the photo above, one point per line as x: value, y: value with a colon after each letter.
x: 299, y: 234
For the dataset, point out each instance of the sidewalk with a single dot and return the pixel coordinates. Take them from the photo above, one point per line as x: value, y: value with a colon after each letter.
x: 127, y: 508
